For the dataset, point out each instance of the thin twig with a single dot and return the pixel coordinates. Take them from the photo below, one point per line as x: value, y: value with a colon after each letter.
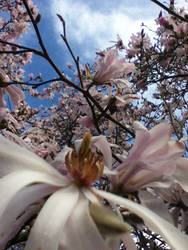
x: 169, y: 10
x: 37, y: 52
x: 15, y: 52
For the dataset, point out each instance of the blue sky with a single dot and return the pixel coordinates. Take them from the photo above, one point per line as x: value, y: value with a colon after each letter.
x: 91, y: 25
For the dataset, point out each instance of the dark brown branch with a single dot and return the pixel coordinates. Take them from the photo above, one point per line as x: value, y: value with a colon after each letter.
x: 34, y: 85
x: 63, y: 78
x: 169, y: 11
x: 35, y: 27
x: 15, y: 52
x: 37, y: 52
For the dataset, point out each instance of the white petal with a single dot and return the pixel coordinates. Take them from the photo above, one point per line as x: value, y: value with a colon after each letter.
x: 172, y: 235
x: 61, y: 155
x: 12, y: 183
x: 102, y: 144
x: 107, y: 171
x: 18, y: 224
x: 89, y: 195
x: 155, y: 204
x: 13, y: 157
x: 81, y: 232
x: 20, y: 208
x: 181, y: 173
x: 128, y: 242
x: 46, y: 232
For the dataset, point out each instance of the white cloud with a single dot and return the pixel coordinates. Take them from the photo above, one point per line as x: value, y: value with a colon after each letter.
x: 182, y: 3
x: 93, y: 28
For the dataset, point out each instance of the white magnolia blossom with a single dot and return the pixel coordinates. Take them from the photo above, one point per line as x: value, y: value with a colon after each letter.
x: 66, y: 205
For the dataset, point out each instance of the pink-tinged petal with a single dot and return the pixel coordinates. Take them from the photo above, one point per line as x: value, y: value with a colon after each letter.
x: 17, y: 226
x: 89, y: 195
x: 142, y: 135
x: 155, y: 204
x: 60, y: 157
x: 12, y: 183
x: 122, y: 83
x: 181, y: 173
x: 171, y: 235
x: 19, y: 208
x: 13, y: 158
x: 101, y: 143
x: 128, y: 242
x: 172, y: 150
x: 152, y: 151
x: 3, y: 113
x: 16, y: 139
x: 159, y: 136
x: 81, y: 231
x: 107, y: 171
x: 125, y: 99
x: 109, y: 67
x: 86, y: 121
x: 50, y: 223
x: 2, y: 99
x: 175, y: 213
x: 16, y: 95
x: 184, y: 220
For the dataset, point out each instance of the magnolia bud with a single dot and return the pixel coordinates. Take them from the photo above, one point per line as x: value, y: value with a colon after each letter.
x: 38, y: 18
x: 108, y: 223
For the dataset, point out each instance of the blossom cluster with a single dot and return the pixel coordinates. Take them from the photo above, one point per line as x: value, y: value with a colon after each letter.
x: 102, y: 158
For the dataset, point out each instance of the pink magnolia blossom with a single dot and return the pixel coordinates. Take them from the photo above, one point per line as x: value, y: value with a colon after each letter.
x: 16, y: 95
x: 3, y: 113
x: 69, y: 65
x: 72, y: 208
x: 110, y: 67
x: 70, y: 200
x: 86, y: 121
x: 163, y: 22
x: 153, y: 155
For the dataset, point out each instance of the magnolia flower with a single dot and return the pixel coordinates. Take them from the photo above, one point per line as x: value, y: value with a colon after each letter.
x: 153, y: 155
x: 16, y: 95
x: 71, y: 214
x: 26, y: 181
x: 86, y: 121
x: 109, y: 67
x: 3, y: 113
x: 177, y: 198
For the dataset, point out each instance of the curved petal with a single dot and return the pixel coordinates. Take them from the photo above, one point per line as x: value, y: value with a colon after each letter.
x: 16, y: 95
x: 12, y: 183
x: 12, y: 231
x: 128, y: 242
x: 13, y: 157
x: 155, y: 204
x: 46, y: 232
x: 172, y: 235
x: 181, y: 173
x: 19, y: 210
x: 101, y: 143
x: 81, y: 231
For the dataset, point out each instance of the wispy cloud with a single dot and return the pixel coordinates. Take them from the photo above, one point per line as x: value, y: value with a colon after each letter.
x: 92, y: 28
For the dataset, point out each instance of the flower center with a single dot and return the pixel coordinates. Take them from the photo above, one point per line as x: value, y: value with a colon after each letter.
x: 84, y: 166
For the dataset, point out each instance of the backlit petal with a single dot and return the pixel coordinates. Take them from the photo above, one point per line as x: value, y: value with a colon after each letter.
x: 80, y: 231
x: 171, y: 235
x: 46, y: 232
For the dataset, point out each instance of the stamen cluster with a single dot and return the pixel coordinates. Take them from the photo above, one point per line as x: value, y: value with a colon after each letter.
x: 84, y: 166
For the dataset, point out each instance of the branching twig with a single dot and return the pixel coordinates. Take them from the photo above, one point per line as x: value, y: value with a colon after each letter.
x: 169, y: 11
x: 37, y: 52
